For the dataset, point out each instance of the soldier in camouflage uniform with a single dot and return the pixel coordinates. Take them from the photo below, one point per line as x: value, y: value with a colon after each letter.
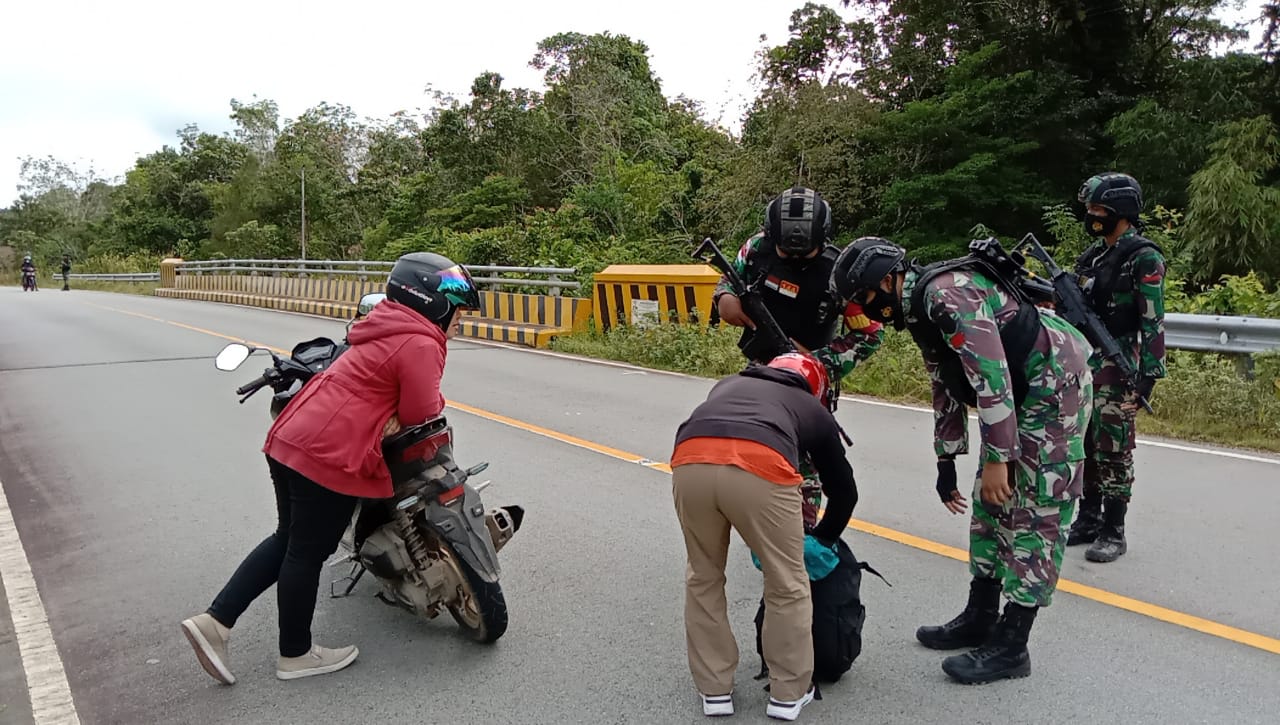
x: 1026, y: 372
x: 1123, y: 278
x: 792, y: 259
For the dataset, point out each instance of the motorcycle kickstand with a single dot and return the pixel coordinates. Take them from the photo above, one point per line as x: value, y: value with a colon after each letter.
x: 357, y: 571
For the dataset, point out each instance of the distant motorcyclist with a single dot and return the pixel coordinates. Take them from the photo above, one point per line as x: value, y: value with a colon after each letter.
x: 28, y: 274
x: 324, y: 453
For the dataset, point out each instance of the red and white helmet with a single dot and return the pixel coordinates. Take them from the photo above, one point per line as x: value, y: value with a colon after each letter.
x: 813, y: 372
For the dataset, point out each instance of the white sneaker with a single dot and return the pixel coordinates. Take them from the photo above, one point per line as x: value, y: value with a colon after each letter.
x: 717, y: 705
x: 782, y: 710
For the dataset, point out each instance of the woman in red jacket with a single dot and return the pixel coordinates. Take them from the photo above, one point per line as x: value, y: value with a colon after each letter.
x: 325, y: 452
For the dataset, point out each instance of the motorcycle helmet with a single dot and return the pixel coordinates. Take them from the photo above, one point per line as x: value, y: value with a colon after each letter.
x: 432, y: 285
x: 807, y: 367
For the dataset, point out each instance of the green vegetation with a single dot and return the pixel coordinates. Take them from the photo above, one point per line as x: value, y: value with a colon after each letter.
x: 1204, y: 398
x: 924, y: 121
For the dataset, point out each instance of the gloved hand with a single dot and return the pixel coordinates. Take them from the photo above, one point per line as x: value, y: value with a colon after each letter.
x: 946, y: 479
x: 856, y: 319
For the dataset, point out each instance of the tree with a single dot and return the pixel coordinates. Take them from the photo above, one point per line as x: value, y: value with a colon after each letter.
x: 1233, y: 220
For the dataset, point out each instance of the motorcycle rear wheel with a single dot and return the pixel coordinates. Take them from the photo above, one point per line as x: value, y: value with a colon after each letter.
x: 482, y: 613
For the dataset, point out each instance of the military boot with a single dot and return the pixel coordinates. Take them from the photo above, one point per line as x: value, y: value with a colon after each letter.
x: 1110, y: 544
x: 1003, y: 656
x: 973, y: 625
x: 1088, y: 522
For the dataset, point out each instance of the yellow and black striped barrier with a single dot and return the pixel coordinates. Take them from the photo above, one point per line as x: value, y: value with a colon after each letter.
x: 628, y: 293
x: 531, y: 320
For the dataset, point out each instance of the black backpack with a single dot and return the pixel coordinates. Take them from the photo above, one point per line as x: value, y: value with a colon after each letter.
x: 838, y: 615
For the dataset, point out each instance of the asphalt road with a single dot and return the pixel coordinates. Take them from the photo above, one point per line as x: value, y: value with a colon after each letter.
x: 137, y: 485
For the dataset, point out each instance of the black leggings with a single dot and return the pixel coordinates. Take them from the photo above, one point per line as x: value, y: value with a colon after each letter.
x: 312, y: 519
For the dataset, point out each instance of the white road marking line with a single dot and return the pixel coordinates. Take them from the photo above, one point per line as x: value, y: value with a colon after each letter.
x: 47, y: 686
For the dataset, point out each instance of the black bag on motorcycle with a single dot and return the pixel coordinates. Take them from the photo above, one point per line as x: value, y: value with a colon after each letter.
x: 838, y: 616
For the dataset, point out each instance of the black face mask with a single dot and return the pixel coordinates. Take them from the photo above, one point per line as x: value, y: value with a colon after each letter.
x: 885, y: 307
x: 1100, y: 226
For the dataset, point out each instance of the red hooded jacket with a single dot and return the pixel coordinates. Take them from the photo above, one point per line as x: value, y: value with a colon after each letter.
x: 331, y: 432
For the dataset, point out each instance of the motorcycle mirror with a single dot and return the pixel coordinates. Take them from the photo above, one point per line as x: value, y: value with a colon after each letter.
x: 368, y: 302
x: 232, y: 356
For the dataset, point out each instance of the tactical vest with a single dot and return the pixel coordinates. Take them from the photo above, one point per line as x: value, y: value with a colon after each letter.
x: 1098, y: 274
x: 799, y: 299
x: 1017, y: 335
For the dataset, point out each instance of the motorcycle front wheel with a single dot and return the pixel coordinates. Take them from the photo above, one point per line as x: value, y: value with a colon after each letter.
x: 482, y: 611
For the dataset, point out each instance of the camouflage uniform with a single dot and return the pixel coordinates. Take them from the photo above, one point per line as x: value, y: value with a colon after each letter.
x: 1110, y: 441
x: 860, y: 339
x: 1021, y: 542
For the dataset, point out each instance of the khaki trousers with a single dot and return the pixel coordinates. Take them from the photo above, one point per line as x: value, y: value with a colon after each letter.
x: 709, y: 499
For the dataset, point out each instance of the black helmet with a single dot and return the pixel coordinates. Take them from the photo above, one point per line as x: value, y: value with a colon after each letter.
x: 798, y: 221
x: 1118, y: 193
x: 862, y: 265
x: 432, y: 285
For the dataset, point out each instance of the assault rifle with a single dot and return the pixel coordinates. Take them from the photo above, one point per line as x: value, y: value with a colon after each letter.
x: 1070, y: 303
x: 768, y: 340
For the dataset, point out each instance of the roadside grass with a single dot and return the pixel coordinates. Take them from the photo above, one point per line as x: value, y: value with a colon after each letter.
x: 1203, y: 399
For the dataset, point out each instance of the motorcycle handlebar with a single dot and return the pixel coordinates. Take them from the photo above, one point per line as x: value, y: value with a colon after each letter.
x: 252, y: 387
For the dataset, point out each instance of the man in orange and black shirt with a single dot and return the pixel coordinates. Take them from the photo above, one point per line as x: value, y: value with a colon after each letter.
x: 736, y: 464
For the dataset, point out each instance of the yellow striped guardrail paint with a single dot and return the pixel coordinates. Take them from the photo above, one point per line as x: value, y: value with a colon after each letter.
x: 625, y: 293
x: 531, y: 320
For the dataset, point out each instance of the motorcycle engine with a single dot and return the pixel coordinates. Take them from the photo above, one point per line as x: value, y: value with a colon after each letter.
x: 384, y: 554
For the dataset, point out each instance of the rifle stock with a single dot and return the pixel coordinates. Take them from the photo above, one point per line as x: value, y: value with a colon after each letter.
x: 1075, y: 309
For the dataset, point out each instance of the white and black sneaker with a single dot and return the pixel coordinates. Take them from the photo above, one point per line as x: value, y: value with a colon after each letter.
x: 784, y: 710
x: 717, y: 705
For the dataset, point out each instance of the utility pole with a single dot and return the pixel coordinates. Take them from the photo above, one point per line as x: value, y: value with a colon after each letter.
x: 304, y: 212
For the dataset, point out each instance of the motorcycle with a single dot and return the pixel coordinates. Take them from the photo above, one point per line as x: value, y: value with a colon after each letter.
x: 432, y: 545
x: 29, y: 281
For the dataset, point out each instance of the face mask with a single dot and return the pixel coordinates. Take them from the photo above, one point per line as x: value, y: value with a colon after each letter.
x: 885, y: 307
x: 1100, y: 226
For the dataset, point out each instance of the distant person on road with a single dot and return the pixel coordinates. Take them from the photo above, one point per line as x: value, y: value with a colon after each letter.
x: 736, y: 464
x: 66, y: 270
x: 29, y: 273
x: 1122, y: 275
x: 324, y: 453
x: 1026, y: 371
x: 790, y: 261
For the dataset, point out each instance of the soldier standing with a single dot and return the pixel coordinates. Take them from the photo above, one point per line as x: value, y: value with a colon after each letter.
x: 790, y: 261
x: 1026, y: 371
x: 1122, y: 276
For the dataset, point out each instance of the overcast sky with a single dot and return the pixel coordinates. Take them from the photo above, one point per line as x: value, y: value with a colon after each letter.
x: 101, y: 83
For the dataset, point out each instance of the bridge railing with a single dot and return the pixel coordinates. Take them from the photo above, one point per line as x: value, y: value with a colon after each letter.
x: 553, y: 279
x: 110, y: 277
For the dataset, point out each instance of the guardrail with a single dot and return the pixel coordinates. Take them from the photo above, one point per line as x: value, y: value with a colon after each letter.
x: 1221, y: 333
x: 362, y: 269
x: 110, y: 277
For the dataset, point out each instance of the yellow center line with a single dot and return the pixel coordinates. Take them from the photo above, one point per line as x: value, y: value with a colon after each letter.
x: 1102, y: 596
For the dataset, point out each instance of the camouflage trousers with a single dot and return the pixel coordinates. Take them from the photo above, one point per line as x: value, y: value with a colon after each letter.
x: 1109, y: 445
x: 810, y: 493
x: 1021, y: 542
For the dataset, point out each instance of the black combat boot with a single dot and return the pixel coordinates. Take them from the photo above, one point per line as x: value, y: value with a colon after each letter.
x: 1088, y: 523
x: 1110, y: 544
x: 973, y: 625
x: 1003, y: 656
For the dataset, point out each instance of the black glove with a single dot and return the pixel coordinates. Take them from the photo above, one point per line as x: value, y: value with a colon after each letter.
x: 946, y: 479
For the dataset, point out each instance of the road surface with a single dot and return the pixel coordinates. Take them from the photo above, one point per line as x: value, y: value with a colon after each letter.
x: 137, y: 485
